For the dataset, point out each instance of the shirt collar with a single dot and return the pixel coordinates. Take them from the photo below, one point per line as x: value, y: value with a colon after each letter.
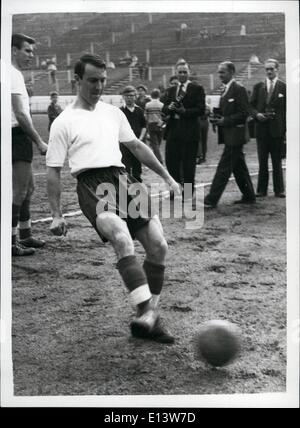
x: 269, y: 81
x: 131, y: 108
x: 228, y: 84
x: 184, y: 85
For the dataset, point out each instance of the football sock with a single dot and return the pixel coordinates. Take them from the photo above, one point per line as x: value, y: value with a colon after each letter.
x: 135, y: 280
x: 155, y: 275
x: 24, y: 220
x: 25, y: 229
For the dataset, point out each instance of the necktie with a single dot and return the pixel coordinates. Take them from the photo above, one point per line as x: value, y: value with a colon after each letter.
x: 270, y: 91
x: 181, y: 91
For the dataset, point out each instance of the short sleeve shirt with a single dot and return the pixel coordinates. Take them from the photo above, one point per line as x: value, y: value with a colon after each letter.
x: 90, y: 139
x: 18, y: 88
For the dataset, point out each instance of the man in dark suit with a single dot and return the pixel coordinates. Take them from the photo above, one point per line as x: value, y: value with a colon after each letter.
x: 184, y: 103
x: 232, y: 132
x: 268, y: 107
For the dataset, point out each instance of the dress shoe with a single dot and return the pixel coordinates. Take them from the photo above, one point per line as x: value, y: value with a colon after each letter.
x: 208, y: 204
x: 261, y: 195
x: 32, y: 242
x: 245, y: 201
x: 18, y: 250
x: 279, y: 195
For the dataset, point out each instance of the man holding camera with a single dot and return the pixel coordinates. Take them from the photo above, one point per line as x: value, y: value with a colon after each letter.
x: 268, y: 103
x: 230, y: 121
x: 184, y: 103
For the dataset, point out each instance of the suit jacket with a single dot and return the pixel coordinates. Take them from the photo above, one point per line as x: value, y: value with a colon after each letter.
x: 234, y: 107
x: 275, y: 127
x: 187, y: 126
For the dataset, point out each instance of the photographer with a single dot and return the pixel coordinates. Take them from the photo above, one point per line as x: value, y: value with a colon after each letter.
x: 268, y: 108
x: 183, y: 103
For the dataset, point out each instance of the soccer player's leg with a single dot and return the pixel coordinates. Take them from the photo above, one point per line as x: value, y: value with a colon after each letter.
x: 26, y: 238
x: 115, y: 230
x: 21, y: 173
x: 152, y: 238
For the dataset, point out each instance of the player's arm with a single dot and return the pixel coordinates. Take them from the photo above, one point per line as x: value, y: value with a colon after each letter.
x: 26, y: 124
x: 58, y: 226
x: 143, y: 133
x: 145, y: 155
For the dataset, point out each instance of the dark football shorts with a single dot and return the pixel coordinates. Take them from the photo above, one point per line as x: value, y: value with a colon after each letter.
x: 21, y: 146
x: 112, y: 189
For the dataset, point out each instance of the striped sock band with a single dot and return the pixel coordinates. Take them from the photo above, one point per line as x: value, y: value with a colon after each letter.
x: 135, y: 279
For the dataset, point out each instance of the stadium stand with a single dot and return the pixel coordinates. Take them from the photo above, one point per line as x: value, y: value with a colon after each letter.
x: 205, y: 40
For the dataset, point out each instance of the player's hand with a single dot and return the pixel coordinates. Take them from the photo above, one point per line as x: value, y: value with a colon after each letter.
x: 58, y: 226
x: 261, y: 117
x: 42, y: 147
x: 174, y: 186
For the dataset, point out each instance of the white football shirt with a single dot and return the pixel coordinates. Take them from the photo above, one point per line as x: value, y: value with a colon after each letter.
x: 90, y: 139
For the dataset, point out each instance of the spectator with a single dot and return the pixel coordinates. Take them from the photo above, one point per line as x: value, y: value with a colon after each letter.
x: 204, y: 125
x: 142, y: 97
x: 268, y: 103
x: 137, y: 121
x: 73, y: 85
x: 54, y: 109
x: 178, y: 35
x: 230, y: 120
x: 140, y: 67
x: 184, y: 104
x: 243, y: 30
x: 153, y: 113
x: 52, y: 72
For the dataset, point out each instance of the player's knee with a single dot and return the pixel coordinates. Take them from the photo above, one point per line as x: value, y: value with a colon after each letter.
x: 123, y: 243
x: 19, y: 196
x: 159, y: 249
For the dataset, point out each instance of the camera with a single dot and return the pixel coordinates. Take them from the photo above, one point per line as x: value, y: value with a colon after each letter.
x: 213, y: 116
x: 178, y: 101
x: 270, y: 113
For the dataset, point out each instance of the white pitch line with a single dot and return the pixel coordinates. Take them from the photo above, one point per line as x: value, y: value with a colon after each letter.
x: 153, y: 195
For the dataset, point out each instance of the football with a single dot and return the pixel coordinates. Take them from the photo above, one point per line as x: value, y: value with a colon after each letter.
x: 217, y: 342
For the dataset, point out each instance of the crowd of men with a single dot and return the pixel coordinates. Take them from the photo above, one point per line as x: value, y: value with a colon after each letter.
x: 106, y: 144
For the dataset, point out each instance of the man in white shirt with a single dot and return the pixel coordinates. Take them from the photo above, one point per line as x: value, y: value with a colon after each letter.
x: 89, y: 132
x: 23, y: 134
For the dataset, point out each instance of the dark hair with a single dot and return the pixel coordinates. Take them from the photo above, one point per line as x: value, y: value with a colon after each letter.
x: 18, y: 39
x: 229, y: 65
x: 53, y: 93
x: 95, y: 60
x: 155, y: 93
x: 142, y: 87
x: 174, y: 77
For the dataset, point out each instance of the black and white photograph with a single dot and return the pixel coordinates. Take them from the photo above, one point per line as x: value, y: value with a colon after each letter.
x: 150, y: 205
